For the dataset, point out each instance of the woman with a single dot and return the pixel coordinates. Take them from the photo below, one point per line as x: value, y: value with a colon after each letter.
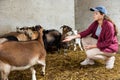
x: 103, y: 43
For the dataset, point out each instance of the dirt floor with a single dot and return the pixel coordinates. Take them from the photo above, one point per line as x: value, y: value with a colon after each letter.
x: 67, y: 67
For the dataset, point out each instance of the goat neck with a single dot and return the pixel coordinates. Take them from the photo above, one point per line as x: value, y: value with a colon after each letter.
x: 40, y: 37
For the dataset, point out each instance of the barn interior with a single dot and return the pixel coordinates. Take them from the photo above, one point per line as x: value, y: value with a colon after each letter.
x: 52, y: 14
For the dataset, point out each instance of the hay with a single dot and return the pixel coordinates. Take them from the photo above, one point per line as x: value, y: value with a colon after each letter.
x: 67, y: 67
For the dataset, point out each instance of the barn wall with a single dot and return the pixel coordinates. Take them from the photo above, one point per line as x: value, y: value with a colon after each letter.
x: 53, y: 13
x: 47, y: 13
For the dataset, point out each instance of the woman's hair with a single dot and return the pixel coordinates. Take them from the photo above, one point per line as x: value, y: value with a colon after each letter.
x: 115, y: 28
x: 109, y: 19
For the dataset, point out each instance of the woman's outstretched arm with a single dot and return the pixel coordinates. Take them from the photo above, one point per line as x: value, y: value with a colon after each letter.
x: 69, y: 38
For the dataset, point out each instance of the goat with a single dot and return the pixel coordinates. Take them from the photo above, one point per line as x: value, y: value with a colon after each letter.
x: 21, y: 34
x: 33, y: 35
x: 22, y: 29
x: 22, y: 55
x: 32, y: 32
x: 65, y: 30
x: 77, y: 41
x: 52, y: 39
x: 14, y: 36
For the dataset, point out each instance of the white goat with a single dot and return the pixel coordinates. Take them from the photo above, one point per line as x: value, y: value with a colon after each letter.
x: 22, y: 55
x: 77, y: 41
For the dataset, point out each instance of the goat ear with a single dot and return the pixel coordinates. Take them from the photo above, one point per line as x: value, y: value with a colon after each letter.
x: 38, y: 27
x: 33, y: 28
x: 62, y: 26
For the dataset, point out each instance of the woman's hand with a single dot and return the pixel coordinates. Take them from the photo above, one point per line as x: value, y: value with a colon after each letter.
x: 90, y: 46
x: 68, y: 38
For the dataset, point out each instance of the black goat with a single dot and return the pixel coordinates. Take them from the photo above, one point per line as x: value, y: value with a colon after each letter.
x: 52, y: 39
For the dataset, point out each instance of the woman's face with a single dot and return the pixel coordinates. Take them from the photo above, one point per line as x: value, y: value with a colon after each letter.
x: 97, y: 16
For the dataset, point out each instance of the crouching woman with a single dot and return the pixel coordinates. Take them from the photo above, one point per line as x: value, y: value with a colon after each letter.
x: 102, y: 42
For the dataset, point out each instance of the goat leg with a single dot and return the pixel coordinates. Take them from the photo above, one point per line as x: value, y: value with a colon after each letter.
x: 80, y: 47
x: 75, y: 47
x: 33, y: 73
x: 42, y: 62
x: 4, y: 75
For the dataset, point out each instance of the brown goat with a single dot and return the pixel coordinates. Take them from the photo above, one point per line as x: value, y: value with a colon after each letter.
x: 14, y: 36
x: 21, y: 34
x: 31, y: 32
x: 22, y: 55
x: 33, y: 35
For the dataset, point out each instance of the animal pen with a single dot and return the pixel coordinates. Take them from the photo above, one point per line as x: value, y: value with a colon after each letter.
x: 31, y: 35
